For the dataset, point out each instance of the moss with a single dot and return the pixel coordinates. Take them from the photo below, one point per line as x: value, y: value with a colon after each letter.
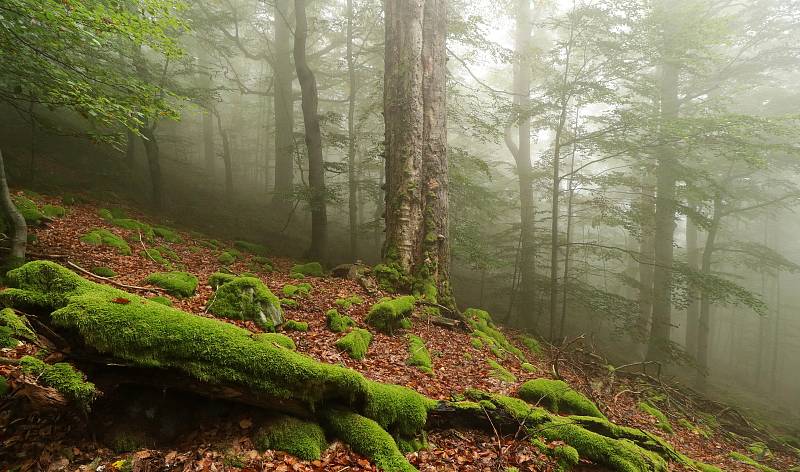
x: 759, y: 451
x: 276, y: 338
x: 4, y: 388
x: 476, y: 343
x: 289, y: 303
x: 390, y: 278
x: 70, y: 199
x: 295, y: 325
x: 337, y: 322
x: 29, y: 210
x: 62, y: 377
x: 367, y: 438
x: 180, y: 284
x: 409, y: 445
x: 532, y: 344
x: 167, y: 234
x: 247, y: 298
x: 155, y: 255
x: 312, y: 269
x: 387, y: 315
x: 418, y: 354
x: 162, y: 300
x: 399, y: 410
x: 663, y: 421
x: 226, y: 258
x: 54, y: 211
x: 105, y: 214
x: 17, y: 326
x: 252, y: 248
x: 106, y: 272
x: 300, y: 438
x: 567, y: 457
x: 143, y: 229
x: 737, y: 456
x: 104, y: 237
x: 501, y: 373
x: 355, y: 343
x: 346, y: 303
x: 528, y: 367
x: 7, y: 339
x: 169, y: 253
x: 558, y: 397
x: 209, y: 243
x: 299, y: 290
x: 219, y: 278
x: 481, y: 323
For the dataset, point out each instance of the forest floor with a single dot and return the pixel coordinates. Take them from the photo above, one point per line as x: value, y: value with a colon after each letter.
x: 69, y: 441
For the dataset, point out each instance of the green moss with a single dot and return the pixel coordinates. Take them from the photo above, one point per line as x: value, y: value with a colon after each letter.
x: 162, y: 300
x: 759, y: 451
x: 247, y: 298
x: 295, y: 325
x: 219, y: 278
x: 104, y: 237
x: 528, y: 367
x: 252, y: 248
x: 312, y: 269
x: 29, y: 210
x: 532, y: 344
x: 276, y: 338
x: 481, y: 322
x: 399, y: 410
x: 337, y: 322
x: 155, y: 255
x: 169, y: 253
x: 300, y: 438
x: 367, y: 438
x: 387, y: 315
x: 226, y: 258
x: 7, y: 339
x: 180, y: 284
x: 476, y: 343
x: 355, y: 343
x: 4, y: 388
x: 346, y: 303
x: 167, y: 234
x: 567, y: 457
x: 54, y: 211
x: 558, y: 397
x: 737, y: 456
x: 663, y: 421
x: 72, y: 199
x: 409, y: 445
x: 143, y: 229
x: 418, y: 354
x: 289, y: 303
x: 104, y: 272
x: 105, y: 214
x: 501, y: 373
x: 299, y: 290
x: 390, y: 278
x: 62, y: 377
x: 17, y: 326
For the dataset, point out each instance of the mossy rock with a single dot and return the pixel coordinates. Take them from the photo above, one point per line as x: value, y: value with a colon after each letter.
x: 528, y: 367
x: 418, y: 355
x: 29, y: 210
x: 558, y: 397
x: 180, y: 284
x: 143, y: 229
x: 106, y: 272
x: 501, y: 373
x: 337, y: 322
x: 167, y: 234
x: 299, y: 290
x: 226, y: 258
x: 387, y: 315
x: 293, y: 325
x: 156, y: 256
x: 62, y: 377
x: 390, y: 278
x: 104, y: 237
x: 277, y: 339
x: 663, y: 421
x: 289, y: 303
x: 347, y: 302
x: 247, y: 298
x: 252, y: 248
x: 54, y: 211
x: 303, y: 439
x: 367, y: 438
x: 219, y: 278
x: 311, y: 269
x: 355, y: 343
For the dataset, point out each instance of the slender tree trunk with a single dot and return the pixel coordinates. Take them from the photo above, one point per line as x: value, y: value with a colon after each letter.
x: 693, y: 310
x: 283, y: 107
x: 130, y: 150
x: 316, y: 165
x: 209, y: 151
x: 226, y: 158
x: 154, y: 166
x: 417, y: 238
x: 704, y: 325
x: 19, y: 238
x: 567, y: 248
x: 661, y: 327
x: 352, y: 182
x: 646, y: 248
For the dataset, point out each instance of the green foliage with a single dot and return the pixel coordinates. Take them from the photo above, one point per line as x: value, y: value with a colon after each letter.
x: 247, y: 298
x: 337, y: 322
x: 299, y: 290
x: 7, y: 339
x: 501, y: 373
x: 300, y: 438
x: 252, y: 248
x: 484, y: 328
x: 295, y: 325
x: 418, y: 354
x: 106, y: 272
x: 226, y: 258
x: 162, y: 300
x: 737, y: 456
x: 312, y: 269
x: 62, y: 377
x: 104, y: 237
x: 167, y: 234
x: 387, y: 315
x: 663, y: 421
x: 54, y: 211
x: 346, y: 303
x: 180, y: 284
x: 558, y: 397
x: 367, y: 438
x: 355, y: 343
x: 276, y: 338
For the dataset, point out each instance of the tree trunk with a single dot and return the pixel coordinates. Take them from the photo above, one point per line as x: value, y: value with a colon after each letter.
x: 283, y: 108
x: 154, y: 166
x: 661, y: 327
x: 704, y: 323
x: 316, y: 165
x: 646, y: 247
x: 209, y: 151
x: 19, y: 238
x: 226, y: 159
x: 352, y: 182
x: 415, y: 113
x: 693, y: 310
x: 130, y: 151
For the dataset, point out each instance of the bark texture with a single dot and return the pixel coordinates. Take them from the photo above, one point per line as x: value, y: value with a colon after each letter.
x: 283, y: 106
x: 19, y: 237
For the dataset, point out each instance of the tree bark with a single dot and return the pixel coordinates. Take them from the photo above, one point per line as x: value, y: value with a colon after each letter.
x: 352, y: 182
x: 693, y: 310
x: 209, y: 152
x: 283, y: 104
x: 704, y: 323
x: 19, y: 237
x: 646, y: 247
x: 316, y: 165
x: 154, y: 166
x: 226, y: 158
x: 415, y: 113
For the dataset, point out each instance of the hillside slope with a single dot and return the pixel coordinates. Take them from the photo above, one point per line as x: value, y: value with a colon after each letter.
x: 151, y: 430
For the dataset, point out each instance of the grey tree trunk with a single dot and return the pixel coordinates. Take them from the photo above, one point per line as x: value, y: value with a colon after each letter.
x: 316, y: 165
x: 646, y: 247
x: 209, y: 154
x: 704, y: 323
x: 352, y: 181
x: 283, y: 107
x: 153, y: 166
x: 415, y: 113
x: 693, y: 310
x: 226, y: 158
x: 19, y: 228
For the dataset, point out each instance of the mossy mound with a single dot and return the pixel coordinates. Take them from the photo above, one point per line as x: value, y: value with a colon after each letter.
x: 532, y: 344
x: 337, y: 322
x: 62, y: 377
x: 346, y: 303
x: 167, y: 234
x: 663, y: 421
x: 252, y: 248
x: 737, y: 456
x: 226, y: 258
x: 299, y: 290
x: 303, y: 439
x: 155, y: 255
x: 289, y: 303
x: 162, y: 300
x: 418, y: 355
x: 293, y: 325
x: 558, y: 397
x: 355, y: 343
x: 501, y: 373
x: 106, y: 272
x: 104, y: 237
x: 29, y: 210
x: 390, y: 278
x: 219, y: 278
x: 388, y: 315
x: 247, y: 298
x: 54, y: 211
x: 311, y: 269
x: 140, y: 229
x: 277, y: 339
x: 180, y: 284
x: 483, y: 327
x: 528, y: 367
x: 367, y: 438
x: 261, y: 265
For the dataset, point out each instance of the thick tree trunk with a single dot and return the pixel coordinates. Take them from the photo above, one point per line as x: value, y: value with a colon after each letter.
x: 352, y: 182
x: 704, y: 322
x: 693, y: 310
x: 154, y: 166
x: 316, y: 165
x: 415, y: 113
x: 19, y: 228
x: 283, y: 107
